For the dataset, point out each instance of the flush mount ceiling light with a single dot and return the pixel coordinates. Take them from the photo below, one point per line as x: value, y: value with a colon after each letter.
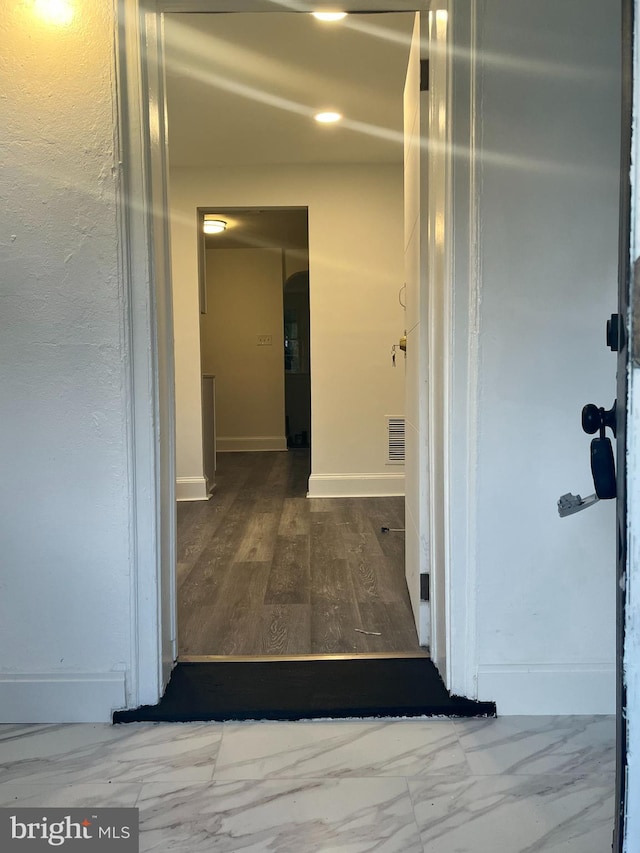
x: 212, y: 225
x: 329, y: 16
x: 327, y: 117
x: 58, y: 13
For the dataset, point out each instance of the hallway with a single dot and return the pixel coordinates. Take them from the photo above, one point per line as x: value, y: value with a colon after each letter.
x: 262, y: 570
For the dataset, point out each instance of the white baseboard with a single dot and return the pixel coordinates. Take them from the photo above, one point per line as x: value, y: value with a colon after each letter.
x: 355, y: 485
x: 61, y: 697
x: 549, y: 688
x: 191, y: 489
x: 226, y: 444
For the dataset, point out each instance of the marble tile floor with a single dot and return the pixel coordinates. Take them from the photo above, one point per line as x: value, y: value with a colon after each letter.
x: 512, y: 784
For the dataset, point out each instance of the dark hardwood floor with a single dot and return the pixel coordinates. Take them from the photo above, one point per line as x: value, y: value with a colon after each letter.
x: 263, y: 570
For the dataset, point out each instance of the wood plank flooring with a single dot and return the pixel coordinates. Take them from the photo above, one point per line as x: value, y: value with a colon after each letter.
x: 263, y: 570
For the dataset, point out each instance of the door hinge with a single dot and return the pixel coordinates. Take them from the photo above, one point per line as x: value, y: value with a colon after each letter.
x: 424, y: 587
x: 424, y: 75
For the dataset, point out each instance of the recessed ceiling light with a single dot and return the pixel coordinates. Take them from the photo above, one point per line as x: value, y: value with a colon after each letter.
x: 212, y: 225
x: 329, y: 16
x: 327, y: 117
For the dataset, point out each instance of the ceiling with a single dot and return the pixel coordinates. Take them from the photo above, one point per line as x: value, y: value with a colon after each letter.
x: 242, y: 88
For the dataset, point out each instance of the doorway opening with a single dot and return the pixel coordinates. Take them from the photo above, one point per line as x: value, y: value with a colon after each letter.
x: 255, y: 327
x: 297, y: 362
x: 278, y: 562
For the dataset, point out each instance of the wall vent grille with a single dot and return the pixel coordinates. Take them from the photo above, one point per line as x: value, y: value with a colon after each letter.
x: 396, y: 440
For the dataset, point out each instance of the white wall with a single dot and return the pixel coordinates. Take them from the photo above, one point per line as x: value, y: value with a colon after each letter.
x: 244, y: 301
x: 64, y: 528
x: 186, y: 318
x: 548, y: 212
x: 355, y: 262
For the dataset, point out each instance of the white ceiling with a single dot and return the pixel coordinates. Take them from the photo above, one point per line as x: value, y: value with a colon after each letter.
x: 242, y: 88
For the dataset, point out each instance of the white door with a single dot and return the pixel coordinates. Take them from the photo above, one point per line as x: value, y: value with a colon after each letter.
x: 415, y: 266
x: 428, y: 309
x: 438, y: 316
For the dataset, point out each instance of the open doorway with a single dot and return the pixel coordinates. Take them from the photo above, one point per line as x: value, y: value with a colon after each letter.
x: 297, y: 362
x: 351, y: 180
x: 254, y: 327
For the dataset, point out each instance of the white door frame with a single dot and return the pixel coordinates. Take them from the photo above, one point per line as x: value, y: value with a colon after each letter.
x: 146, y: 268
x: 465, y: 282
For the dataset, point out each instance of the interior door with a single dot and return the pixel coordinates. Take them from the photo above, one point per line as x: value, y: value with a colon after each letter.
x: 427, y: 325
x: 439, y: 318
x: 416, y: 398
x: 622, y: 338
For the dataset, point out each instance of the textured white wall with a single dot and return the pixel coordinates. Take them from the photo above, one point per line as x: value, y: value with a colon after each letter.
x: 64, y: 518
x: 356, y: 270
x: 549, y: 131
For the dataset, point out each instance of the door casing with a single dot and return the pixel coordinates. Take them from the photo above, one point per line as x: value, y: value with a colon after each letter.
x: 146, y: 270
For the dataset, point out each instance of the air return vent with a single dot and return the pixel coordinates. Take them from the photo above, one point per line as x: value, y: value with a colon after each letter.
x: 395, y: 433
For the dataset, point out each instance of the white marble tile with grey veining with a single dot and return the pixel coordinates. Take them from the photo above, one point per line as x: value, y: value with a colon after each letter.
x: 541, y: 785
x: 279, y: 816
x: 339, y: 748
x: 515, y: 814
x: 84, y: 753
x: 19, y: 740
x: 539, y: 745
x: 95, y: 795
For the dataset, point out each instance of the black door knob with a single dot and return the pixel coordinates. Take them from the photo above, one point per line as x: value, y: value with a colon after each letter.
x: 591, y: 420
x: 596, y: 418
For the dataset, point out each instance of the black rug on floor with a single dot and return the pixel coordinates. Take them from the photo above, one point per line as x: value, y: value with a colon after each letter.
x: 297, y: 690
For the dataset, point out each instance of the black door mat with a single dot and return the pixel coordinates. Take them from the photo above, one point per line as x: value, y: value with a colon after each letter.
x: 298, y: 690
